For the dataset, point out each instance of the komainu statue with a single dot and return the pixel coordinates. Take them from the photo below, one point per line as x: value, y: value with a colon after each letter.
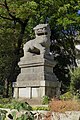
x: 41, y: 42
x: 36, y: 78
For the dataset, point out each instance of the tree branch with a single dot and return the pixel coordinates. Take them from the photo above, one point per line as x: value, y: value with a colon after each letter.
x: 2, y: 4
x: 64, y: 34
x: 6, y: 18
x: 12, y: 16
x: 25, y: 21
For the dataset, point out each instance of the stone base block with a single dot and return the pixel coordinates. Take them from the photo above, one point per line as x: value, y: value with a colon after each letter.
x: 47, y: 88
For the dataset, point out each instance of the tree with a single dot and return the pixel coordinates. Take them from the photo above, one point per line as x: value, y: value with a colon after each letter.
x: 65, y: 27
x: 21, y: 15
x: 75, y: 82
x: 17, y: 18
x: 18, y: 21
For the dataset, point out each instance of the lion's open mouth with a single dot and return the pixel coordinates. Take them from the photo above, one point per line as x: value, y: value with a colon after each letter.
x: 41, y: 33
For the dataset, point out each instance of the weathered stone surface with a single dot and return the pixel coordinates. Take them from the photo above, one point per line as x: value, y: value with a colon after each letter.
x: 41, y: 43
x: 69, y: 115
x: 37, y: 78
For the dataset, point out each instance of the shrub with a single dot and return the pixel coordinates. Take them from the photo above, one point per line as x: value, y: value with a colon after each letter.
x: 45, y: 100
x: 66, y: 96
x: 21, y: 106
x: 62, y: 106
x: 13, y: 104
x: 75, y: 82
x: 5, y: 100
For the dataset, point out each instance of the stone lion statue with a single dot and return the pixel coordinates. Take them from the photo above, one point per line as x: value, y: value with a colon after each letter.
x: 41, y: 42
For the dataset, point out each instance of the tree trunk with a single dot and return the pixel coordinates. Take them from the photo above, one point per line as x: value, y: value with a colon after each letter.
x: 18, y: 53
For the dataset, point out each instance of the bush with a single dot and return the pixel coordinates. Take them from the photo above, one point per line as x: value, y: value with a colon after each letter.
x: 75, y: 82
x: 13, y: 104
x: 66, y: 96
x: 45, y: 100
x: 16, y: 115
x: 21, y: 106
x: 62, y: 106
x: 5, y: 100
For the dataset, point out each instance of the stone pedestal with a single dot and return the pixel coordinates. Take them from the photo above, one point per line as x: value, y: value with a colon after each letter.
x: 36, y: 78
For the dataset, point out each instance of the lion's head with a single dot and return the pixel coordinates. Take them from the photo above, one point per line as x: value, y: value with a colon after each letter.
x: 42, y: 29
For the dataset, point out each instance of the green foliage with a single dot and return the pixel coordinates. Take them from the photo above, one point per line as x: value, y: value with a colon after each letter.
x: 5, y: 100
x: 64, y: 24
x: 75, y: 82
x: 66, y: 96
x: 13, y: 104
x: 45, y: 108
x: 45, y: 100
x: 20, y: 9
x: 22, y: 106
